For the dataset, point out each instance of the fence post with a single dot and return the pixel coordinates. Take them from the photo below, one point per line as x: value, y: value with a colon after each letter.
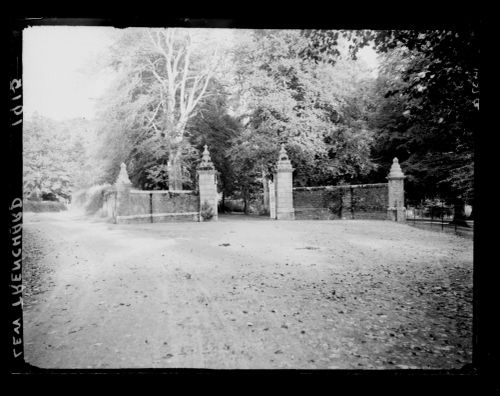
x: 396, y: 209
x: 123, y: 187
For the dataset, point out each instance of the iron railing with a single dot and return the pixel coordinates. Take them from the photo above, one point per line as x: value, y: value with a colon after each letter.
x: 438, y: 218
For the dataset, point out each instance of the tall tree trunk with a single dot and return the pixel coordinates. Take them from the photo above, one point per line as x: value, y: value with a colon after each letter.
x: 175, y: 172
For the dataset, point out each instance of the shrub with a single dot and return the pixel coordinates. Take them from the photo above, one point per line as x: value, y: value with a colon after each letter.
x: 206, y: 211
x: 95, y: 198
x: 43, y: 206
x: 91, y: 200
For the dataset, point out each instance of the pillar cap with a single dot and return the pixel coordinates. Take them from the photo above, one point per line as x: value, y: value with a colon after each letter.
x: 395, y: 172
x: 284, y: 163
x: 206, y: 161
x: 123, y: 175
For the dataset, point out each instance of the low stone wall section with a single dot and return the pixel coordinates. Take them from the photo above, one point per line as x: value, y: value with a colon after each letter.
x: 152, y: 206
x: 361, y: 201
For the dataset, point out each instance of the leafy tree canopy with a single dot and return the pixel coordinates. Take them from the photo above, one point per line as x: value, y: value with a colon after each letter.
x: 427, y: 103
x: 55, y: 158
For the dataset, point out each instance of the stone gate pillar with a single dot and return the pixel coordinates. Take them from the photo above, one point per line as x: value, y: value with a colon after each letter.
x: 284, y: 187
x: 396, y: 210
x: 207, y: 184
x: 123, y: 187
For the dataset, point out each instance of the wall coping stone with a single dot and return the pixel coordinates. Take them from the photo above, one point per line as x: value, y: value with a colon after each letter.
x: 162, y: 191
x: 373, y: 185
x: 157, y: 215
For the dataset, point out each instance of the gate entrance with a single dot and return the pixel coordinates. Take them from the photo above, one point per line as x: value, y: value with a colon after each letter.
x: 276, y: 201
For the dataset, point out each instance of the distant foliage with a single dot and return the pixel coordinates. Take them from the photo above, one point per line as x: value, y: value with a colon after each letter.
x: 426, y: 103
x: 55, y: 157
x: 318, y: 110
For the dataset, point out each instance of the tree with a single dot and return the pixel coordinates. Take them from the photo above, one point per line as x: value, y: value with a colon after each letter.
x: 166, y: 103
x: 181, y: 87
x: 313, y: 108
x: 441, y: 83
x: 54, y: 157
x: 217, y: 129
x: 82, y: 163
x: 435, y: 98
x: 164, y: 76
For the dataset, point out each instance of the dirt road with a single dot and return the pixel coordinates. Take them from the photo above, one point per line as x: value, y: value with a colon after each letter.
x: 245, y: 293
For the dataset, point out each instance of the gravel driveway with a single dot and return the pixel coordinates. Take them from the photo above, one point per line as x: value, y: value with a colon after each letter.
x: 245, y: 293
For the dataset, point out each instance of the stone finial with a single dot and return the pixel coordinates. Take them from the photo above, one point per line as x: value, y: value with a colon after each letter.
x: 123, y: 175
x: 284, y: 162
x: 206, y: 161
x: 283, y: 156
x: 396, y: 171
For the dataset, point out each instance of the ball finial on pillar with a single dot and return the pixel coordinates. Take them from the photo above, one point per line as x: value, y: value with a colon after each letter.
x: 123, y: 175
x: 206, y: 161
x: 284, y: 162
x: 123, y: 187
x: 395, y: 171
x: 283, y: 155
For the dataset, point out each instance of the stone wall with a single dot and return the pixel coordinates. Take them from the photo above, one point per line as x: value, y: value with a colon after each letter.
x: 159, y: 206
x: 369, y: 201
x: 139, y: 204
x: 363, y: 201
x: 125, y: 205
